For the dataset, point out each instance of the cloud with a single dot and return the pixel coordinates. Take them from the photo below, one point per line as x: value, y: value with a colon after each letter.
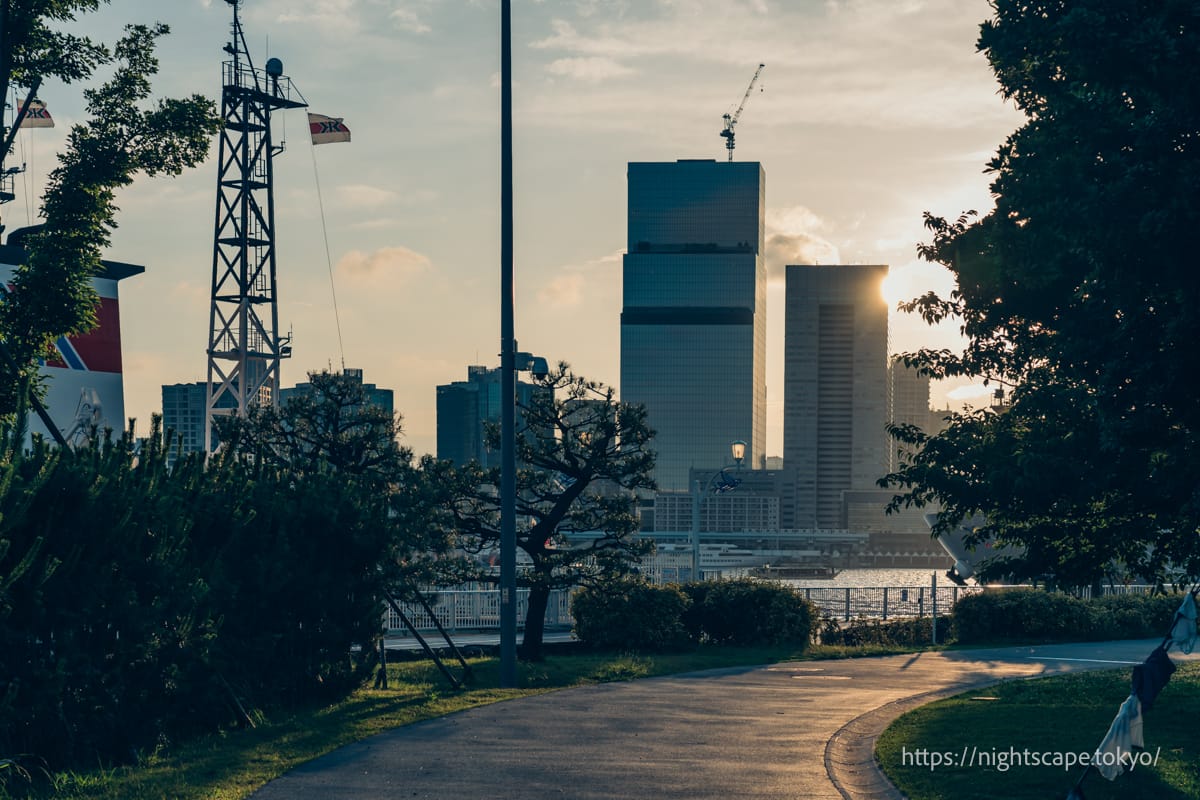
x: 322, y: 13
x: 793, y: 237
x: 387, y: 266
x: 970, y: 392
x: 189, y: 293
x: 563, y: 290
x: 407, y: 20
x: 592, y: 69
x: 359, y: 195
x: 375, y: 224
x: 856, y: 67
x: 569, y: 288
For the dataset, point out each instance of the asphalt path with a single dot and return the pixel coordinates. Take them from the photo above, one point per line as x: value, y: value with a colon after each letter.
x: 793, y: 730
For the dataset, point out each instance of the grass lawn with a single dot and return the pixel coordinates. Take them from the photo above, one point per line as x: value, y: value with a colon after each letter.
x: 1067, y: 714
x: 235, y: 763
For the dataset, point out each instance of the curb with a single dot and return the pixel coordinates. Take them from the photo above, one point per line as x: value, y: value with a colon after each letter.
x: 850, y: 752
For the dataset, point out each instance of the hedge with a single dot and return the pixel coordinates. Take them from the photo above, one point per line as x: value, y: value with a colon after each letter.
x: 630, y: 615
x: 750, y: 612
x: 1035, y: 615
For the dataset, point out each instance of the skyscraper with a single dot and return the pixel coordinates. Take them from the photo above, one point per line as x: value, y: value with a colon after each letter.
x: 835, y: 387
x: 381, y: 398
x: 183, y: 417
x: 693, y: 323
x: 463, y: 409
x: 184, y: 406
x: 910, y: 404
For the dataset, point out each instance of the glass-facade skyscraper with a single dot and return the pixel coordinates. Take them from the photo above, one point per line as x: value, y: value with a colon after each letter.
x: 464, y: 408
x: 835, y: 388
x: 693, y: 322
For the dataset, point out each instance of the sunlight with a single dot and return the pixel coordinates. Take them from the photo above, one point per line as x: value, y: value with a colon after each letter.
x: 895, y: 288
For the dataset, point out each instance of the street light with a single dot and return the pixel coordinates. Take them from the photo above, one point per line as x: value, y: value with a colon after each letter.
x: 720, y: 482
x: 508, y: 377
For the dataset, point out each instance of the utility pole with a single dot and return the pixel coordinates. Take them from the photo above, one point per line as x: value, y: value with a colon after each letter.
x: 508, y: 375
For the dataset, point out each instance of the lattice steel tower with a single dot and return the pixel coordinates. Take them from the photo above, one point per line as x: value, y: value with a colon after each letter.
x: 244, y: 344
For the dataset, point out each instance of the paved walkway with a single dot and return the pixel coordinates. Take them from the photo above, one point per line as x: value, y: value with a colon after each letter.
x: 795, y: 730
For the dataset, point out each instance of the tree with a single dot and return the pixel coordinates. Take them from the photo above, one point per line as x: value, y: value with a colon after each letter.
x: 333, y: 429
x: 1078, y: 294
x: 583, y: 455
x: 51, y: 292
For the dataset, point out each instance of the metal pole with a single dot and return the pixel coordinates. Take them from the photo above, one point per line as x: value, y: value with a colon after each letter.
x: 508, y: 386
x: 696, y: 530
x: 934, y: 608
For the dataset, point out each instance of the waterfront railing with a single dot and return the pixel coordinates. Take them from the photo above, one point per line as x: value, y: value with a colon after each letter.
x: 475, y: 611
x: 478, y: 610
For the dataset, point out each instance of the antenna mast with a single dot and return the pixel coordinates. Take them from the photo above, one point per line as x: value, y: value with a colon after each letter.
x: 731, y: 119
x: 244, y: 345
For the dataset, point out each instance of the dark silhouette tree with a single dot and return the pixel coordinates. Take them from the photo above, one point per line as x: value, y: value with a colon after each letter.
x: 334, y: 430
x: 1079, y: 297
x: 582, y: 457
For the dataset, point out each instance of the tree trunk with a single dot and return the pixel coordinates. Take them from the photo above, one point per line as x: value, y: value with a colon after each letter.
x: 535, y: 623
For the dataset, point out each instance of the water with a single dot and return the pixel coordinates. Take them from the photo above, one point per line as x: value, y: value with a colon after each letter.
x: 875, y: 577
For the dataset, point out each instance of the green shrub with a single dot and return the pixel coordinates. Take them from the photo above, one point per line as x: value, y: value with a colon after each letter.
x: 1036, y: 615
x: 693, y: 617
x: 630, y: 615
x: 751, y: 612
x: 140, y: 605
x: 916, y: 632
x: 1133, y: 616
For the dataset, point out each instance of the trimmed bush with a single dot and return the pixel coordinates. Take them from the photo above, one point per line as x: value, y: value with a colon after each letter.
x: 897, y: 633
x: 750, y: 612
x: 1133, y: 616
x: 1036, y: 615
x: 630, y: 615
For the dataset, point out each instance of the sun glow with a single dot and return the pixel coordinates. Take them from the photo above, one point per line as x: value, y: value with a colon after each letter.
x: 895, y: 288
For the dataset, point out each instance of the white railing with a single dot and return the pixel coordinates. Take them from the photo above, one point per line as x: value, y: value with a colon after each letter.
x: 474, y: 611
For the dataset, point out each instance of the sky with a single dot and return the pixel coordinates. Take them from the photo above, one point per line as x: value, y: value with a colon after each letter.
x: 868, y: 113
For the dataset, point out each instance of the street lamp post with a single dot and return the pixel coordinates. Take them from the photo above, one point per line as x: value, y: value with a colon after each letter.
x: 508, y: 378
x: 737, y: 450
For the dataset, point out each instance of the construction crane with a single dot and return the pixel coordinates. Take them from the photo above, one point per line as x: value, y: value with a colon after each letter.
x: 731, y: 119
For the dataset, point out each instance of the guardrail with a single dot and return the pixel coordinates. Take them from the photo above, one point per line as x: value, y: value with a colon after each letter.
x: 478, y: 610
x: 886, y: 602
x: 474, y: 611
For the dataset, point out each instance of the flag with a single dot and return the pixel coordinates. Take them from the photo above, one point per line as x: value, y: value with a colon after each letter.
x: 327, y: 129
x: 37, y: 116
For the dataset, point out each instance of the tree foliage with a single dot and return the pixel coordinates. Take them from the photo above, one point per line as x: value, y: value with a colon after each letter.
x: 140, y: 604
x: 333, y: 432
x: 1078, y: 294
x: 582, y: 456
x: 124, y: 136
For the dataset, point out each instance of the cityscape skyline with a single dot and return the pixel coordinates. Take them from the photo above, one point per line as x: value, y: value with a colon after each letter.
x: 859, y: 131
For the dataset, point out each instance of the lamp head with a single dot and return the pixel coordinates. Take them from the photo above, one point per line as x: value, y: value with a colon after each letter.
x: 738, y: 450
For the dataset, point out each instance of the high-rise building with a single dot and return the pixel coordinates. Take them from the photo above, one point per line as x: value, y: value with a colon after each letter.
x: 754, y: 503
x: 910, y: 403
x: 835, y: 387
x: 693, y: 322
x: 382, y: 398
x: 183, y: 407
x: 463, y: 410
